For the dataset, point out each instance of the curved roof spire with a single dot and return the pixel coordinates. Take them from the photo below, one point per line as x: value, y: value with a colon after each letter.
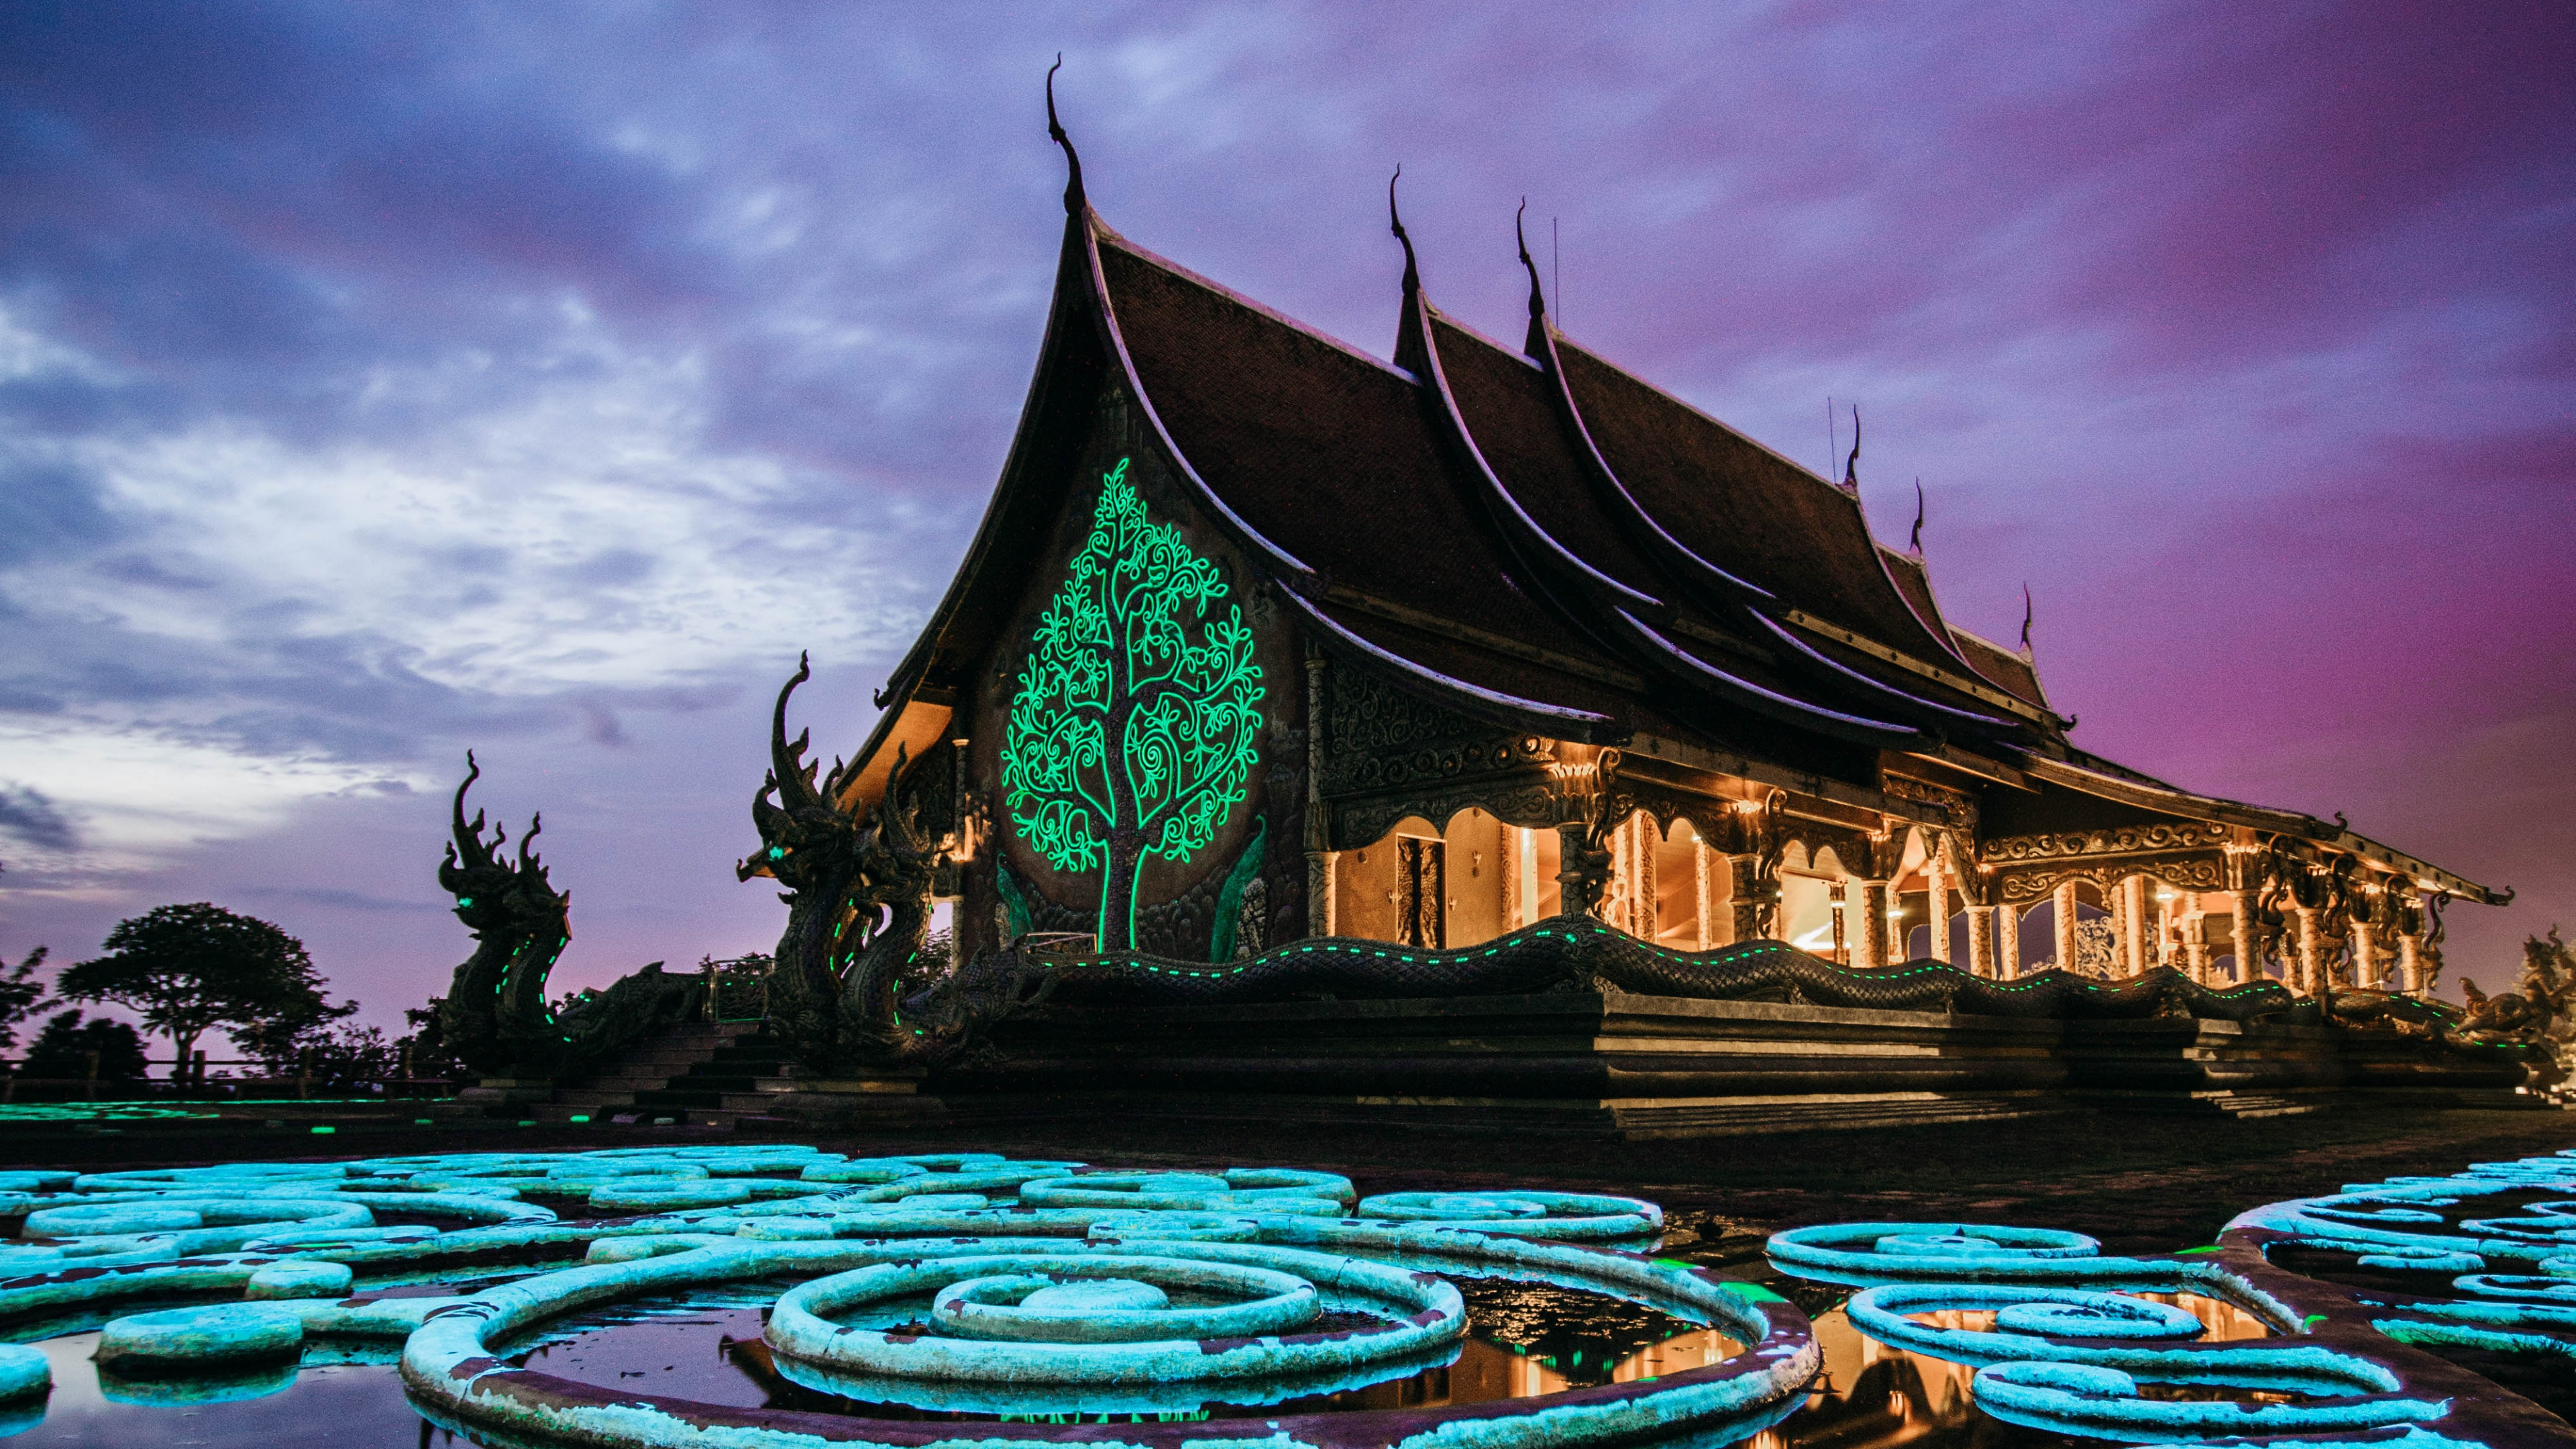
x: 1851, y: 465
x: 1537, y: 298
x: 2025, y: 621
x: 1412, y: 274
x: 1915, y: 544
x: 1073, y: 197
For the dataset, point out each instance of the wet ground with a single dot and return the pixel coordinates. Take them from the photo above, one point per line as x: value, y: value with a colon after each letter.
x: 2138, y: 1184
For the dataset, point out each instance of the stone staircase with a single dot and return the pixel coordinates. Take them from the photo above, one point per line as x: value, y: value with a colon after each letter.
x: 731, y: 1075
x: 664, y: 1080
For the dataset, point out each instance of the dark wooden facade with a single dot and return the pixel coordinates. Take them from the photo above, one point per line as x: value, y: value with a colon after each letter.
x: 1528, y: 630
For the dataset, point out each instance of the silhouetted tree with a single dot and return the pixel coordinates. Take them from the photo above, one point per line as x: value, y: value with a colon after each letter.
x: 188, y: 969
x: 21, y: 995
x: 62, y: 1048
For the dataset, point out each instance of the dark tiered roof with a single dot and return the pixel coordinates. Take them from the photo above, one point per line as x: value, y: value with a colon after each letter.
x: 1534, y: 537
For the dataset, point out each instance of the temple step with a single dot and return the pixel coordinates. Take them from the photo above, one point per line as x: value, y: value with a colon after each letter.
x: 676, y: 1076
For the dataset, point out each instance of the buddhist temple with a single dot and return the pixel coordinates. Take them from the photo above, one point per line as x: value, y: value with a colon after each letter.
x: 1264, y: 638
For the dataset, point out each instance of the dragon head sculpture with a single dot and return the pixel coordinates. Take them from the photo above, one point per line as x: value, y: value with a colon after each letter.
x: 807, y: 840
x: 493, y: 893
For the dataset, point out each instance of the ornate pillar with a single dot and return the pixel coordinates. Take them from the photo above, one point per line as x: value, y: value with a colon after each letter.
x: 1576, y: 870
x: 1703, y: 892
x: 2365, y: 957
x: 1865, y: 920
x: 1319, y: 861
x: 2133, y: 921
x: 1981, y: 941
x: 2115, y: 901
x: 2308, y: 949
x: 2007, y: 941
x: 2195, y: 940
x: 1743, y: 909
x: 2249, y: 961
x: 1936, y: 903
x: 2410, y: 962
x: 1642, y: 833
x: 2064, y: 909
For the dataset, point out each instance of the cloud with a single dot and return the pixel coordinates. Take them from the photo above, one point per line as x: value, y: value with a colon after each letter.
x: 28, y: 815
x: 377, y: 382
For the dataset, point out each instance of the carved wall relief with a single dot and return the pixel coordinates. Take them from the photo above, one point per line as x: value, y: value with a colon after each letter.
x: 2025, y: 884
x: 1958, y: 808
x: 2121, y: 840
x: 1380, y: 737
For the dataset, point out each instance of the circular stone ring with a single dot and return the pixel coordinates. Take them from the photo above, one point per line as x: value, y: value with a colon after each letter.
x: 1423, y: 1312
x: 1091, y: 1308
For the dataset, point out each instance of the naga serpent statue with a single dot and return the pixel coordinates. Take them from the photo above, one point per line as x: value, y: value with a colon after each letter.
x: 858, y: 917
x: 495, y: 1017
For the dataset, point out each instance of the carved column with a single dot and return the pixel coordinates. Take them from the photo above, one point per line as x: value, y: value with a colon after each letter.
x: 1981, y: 941
x: 2195, y: 940
x: 2308, y: 951
x: 2007, y: 941
x: 2133, y: 921
x: 2064, y: 910
x: 2249, y: 961
x: 1573, y: 870
x: 2115, y: 900
x: 1865, y: 920
x: 1742, y: 908
x: 2410, y: 962
x: 1704, y: 893
x: 1936, y: 904
x: 1641, y: 873
x: 2365, y: 957
x: 1319, y: 861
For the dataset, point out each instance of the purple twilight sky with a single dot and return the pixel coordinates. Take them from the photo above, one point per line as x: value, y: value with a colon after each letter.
x: 377, y: 381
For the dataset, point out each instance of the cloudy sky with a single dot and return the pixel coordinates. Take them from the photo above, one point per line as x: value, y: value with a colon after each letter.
x: 378, y: 381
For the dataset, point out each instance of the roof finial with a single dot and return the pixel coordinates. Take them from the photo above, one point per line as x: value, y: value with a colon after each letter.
x: 1851, y: 465
x: 1073, y: 198
x: 2025, y: 619
x: 1916, y: 544
x: 1412, y: 275
x: 1537, y: 300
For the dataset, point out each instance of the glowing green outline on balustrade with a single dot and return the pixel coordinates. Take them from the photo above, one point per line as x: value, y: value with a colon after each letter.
x: 1112, y: 674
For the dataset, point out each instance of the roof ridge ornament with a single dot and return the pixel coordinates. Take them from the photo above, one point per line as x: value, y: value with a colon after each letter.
x: 1915, y: 545
x: 1851, y: 465
x: 1395, y: 223
x: 1074, y: 199
x: 2025, y: 621
x: 1537, y: 299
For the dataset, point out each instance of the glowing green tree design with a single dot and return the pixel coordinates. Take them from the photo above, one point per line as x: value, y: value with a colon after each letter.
x: 1133, y: 732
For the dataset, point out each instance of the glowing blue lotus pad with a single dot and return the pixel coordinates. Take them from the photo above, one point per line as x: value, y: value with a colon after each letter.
x: 2070, y: 1341
x: 967, y: 1283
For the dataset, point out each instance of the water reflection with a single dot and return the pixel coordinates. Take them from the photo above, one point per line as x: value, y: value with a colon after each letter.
x: 1525, y: 1339
x: 1873, y: 1396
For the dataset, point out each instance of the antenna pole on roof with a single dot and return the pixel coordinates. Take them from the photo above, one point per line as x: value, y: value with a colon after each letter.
x: 1555, y: 267
x: 1073, y: 198
x: 1917, y: 544
x: 1833, y: 434
x: 1851, y: 465
x: 1395, y: 223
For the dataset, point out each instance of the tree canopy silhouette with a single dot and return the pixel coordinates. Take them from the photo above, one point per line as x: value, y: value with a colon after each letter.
x: 1135, y: 727
x: 188, y: 969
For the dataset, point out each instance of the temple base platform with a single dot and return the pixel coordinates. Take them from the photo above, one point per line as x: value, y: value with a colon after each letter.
x: 1629, y: 1067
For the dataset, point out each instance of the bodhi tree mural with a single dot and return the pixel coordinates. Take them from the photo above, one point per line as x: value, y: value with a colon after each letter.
x: 1133, y: 732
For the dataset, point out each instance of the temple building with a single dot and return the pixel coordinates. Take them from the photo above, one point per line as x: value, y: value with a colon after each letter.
x: 1263, y: 638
